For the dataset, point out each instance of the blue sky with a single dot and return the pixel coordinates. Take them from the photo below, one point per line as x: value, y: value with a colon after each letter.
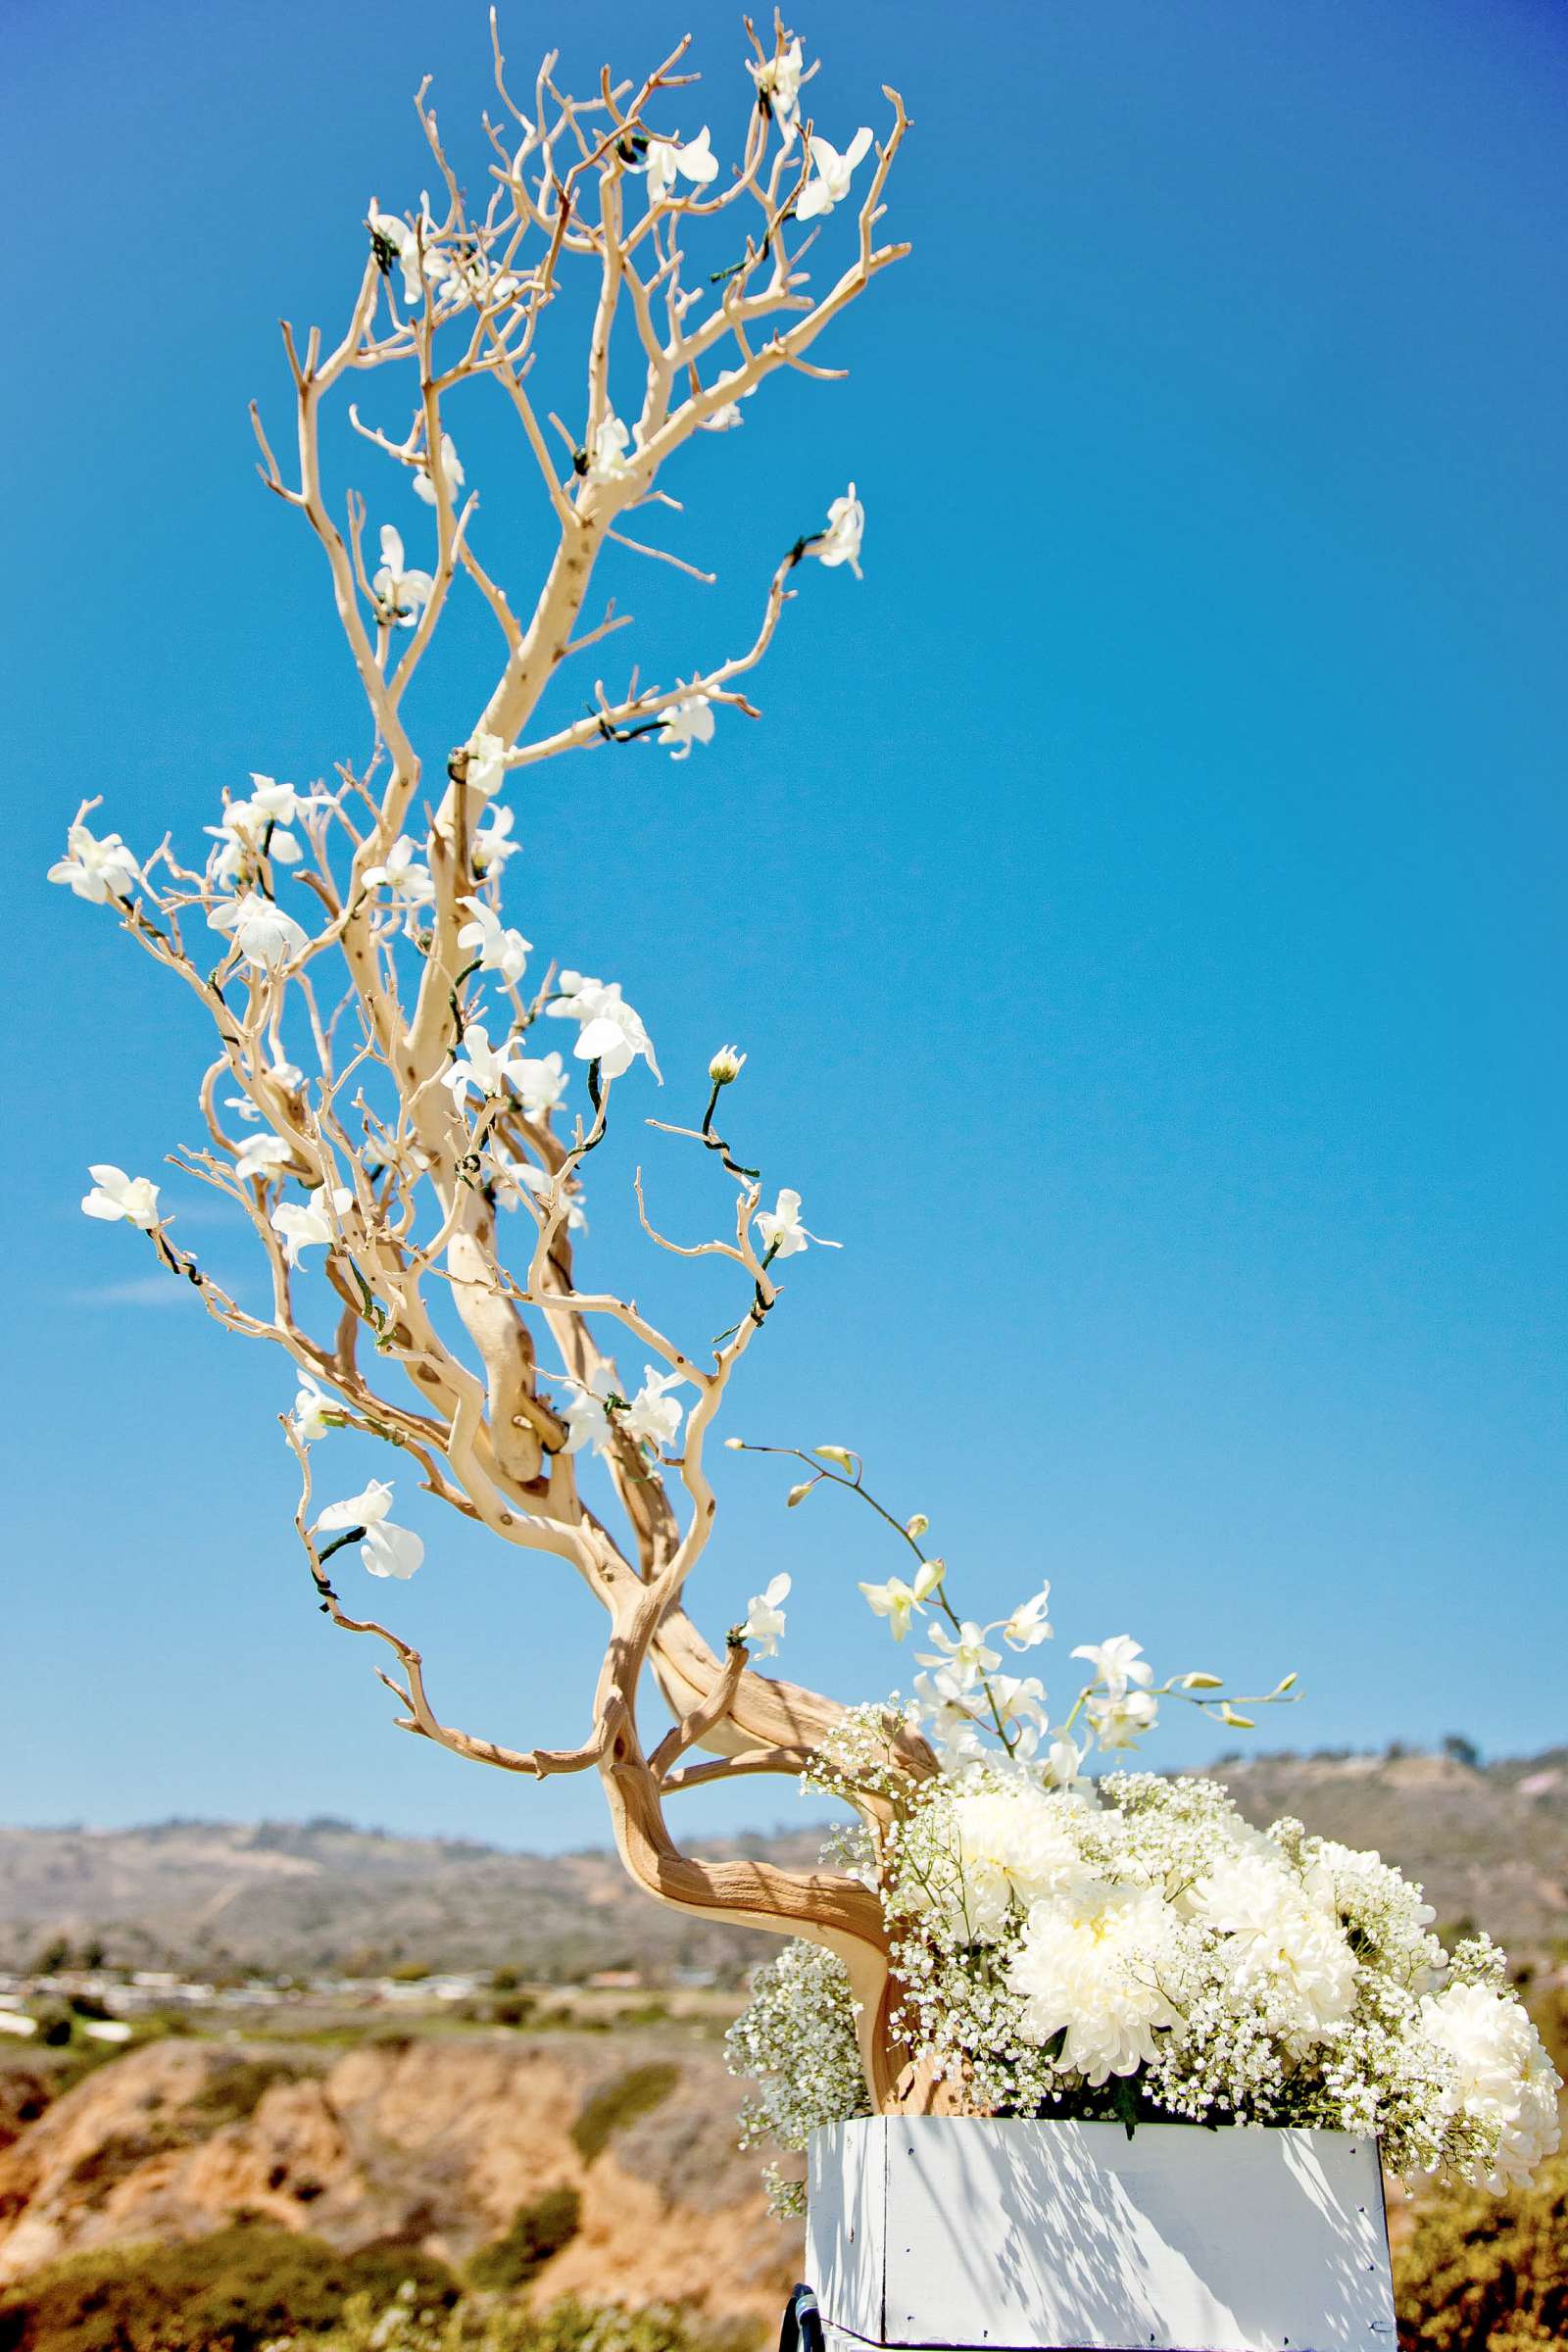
x: 1141, y: 902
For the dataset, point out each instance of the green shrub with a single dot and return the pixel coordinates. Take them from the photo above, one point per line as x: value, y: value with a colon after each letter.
x: 572, y: 2326
x: 1485, y: 2273
x: 617, y: 2103
x: 515, y: 2009
x: 233, y: 2291
x: 567, y: 2326
x: 236, y: 2091
x: 539, y: 2231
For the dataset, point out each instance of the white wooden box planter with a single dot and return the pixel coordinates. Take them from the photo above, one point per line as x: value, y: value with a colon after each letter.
x: 968, y: 2232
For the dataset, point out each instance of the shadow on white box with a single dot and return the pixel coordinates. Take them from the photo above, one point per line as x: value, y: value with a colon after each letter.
x: 1045, y: 2236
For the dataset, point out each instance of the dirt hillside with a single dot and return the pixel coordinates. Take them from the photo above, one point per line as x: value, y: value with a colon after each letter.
x: 436, y: 2144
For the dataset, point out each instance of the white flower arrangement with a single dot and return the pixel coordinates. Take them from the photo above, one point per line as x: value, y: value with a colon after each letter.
x: 1133, y: 1950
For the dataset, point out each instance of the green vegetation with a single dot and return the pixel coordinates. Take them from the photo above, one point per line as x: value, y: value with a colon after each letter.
x: 619, y: 2102
x: 1484, y: 2274
x: 235, y: 2291
x: 237, y: 2091
x: 480, y: 2325
x: 539, y: 2230
x: 513, y: 2009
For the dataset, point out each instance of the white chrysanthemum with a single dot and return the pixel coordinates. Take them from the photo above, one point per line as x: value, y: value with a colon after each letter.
x: 1283, y: 1945
x: 1504, y: 2082
x: 1089, y: 1968
x: 1013, y: 1846
x: 1389, y: 1916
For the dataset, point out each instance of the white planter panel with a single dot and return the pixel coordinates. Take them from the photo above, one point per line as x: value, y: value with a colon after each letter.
x: 1050, y: 2237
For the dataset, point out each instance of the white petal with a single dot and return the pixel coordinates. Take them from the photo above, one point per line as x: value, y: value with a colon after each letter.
x: 389, y: 1550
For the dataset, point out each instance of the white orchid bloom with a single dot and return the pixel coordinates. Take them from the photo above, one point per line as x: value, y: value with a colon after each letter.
x: 577, y: 997
x: 495, y: 948
x: 611, y: 456
x: 688, y: 721
x: 481, y: 1064
x: 540, y: 1084
x: 514, y: 1177
x: 781, y: 1229
x: 116, y: 1195
x: 840, y: 543
x: 486, y: 771
x: 492, y: 845
x: 256, y: 826
x: 1020, y: 1701
x: 967, y: 1657
x: 615, y: 1040
x: 314, y: 1411
x: 393, y: 230
x: 276, y: 803
x: 898, y: 1601
x: 587, y: 1421
x: 1118, y: 1662
x: 765, y: 1618
x: 495, y: 286
x: 450, y: 278
x: 948, y: 1718
x: 695, y: 162
x: 96, y: 870
x: 306, y: 1224
x: 1029, y: 1624
x: 403, y: 873
x: 286, y: 1074
x: 450, y: 467
x: 1121, y: 1717
x: 955, y: 1736
x: 262, y: 933
x: 778, y: 86
x: 400, y: 594
x: 1062, y: 1761
x: 724, y: 419
x: 611, y: 1033
x: 386, y: 1550
x: 652, y: 1417
x: 831, y: 174
x: 442, y: 270
x: 257, y: 1155
x: 250, y: 830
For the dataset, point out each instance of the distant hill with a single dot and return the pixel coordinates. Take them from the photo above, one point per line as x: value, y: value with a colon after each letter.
x: 1488, y: 1842
x: 303, y: 1897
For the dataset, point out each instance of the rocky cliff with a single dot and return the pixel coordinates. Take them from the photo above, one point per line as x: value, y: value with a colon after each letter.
x: 434, y: 2143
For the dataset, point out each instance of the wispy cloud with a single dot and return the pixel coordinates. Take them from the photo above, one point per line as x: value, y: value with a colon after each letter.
x: 148, y: 1290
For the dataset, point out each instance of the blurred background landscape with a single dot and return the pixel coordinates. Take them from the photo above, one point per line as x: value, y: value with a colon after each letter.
x: 279, y: 2082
